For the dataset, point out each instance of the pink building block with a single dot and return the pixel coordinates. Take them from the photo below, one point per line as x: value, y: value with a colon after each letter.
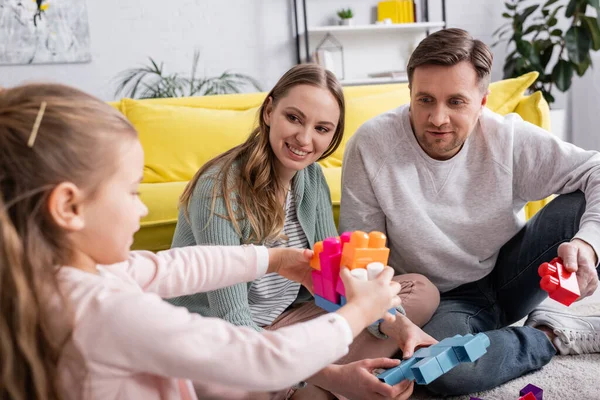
x: 317, y: 283
x: 330, y: 258
x: 329, y: 292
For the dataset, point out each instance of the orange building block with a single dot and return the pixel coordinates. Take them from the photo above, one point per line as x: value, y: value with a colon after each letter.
x: 315, y: 261
x: 365, y: 248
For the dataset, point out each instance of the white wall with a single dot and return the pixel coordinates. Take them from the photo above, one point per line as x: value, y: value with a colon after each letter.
x: 248, y: 36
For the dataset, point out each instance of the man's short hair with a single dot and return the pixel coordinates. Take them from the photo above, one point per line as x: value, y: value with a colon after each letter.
x: 449, y: 47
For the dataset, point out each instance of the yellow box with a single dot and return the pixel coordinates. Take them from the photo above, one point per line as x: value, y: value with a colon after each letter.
x: 388, y: 9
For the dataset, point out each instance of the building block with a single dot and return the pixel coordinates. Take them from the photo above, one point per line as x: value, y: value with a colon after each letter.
x: 537, y: 392
x: 343, y: 300
x: 560, y: 284
x: 396, y: 375
x: 326, y: 304
x: 317, y: 283
x: 339, y: 287
x: 330, y: 258
x: 315, y: 261
x: 364, y: 249
x: 528, y: 396
x: 428, y: 364
x: 329, y: 292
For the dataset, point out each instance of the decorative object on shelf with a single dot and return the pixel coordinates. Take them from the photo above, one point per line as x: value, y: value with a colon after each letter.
x: 538, y: 44
x: 346, y: 16
x: 330, y: 54
x: 42, y: 31
x: 398, y: 11
x: 151, y: 81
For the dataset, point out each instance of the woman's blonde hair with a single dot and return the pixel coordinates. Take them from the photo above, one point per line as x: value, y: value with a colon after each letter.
x: 74, y: 141
x: 255, y: 187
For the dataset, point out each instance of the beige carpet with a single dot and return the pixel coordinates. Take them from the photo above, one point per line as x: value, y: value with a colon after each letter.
x: 565, y: 377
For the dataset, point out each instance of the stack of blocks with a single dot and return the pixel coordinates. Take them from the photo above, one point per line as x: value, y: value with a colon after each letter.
x: 560, y: 284
x: 355, y: 250
x: 529, y: 392
x: 429, y: 363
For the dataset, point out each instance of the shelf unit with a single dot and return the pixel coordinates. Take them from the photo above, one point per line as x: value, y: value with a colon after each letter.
x: 367, y: 42
x: 340, y: 29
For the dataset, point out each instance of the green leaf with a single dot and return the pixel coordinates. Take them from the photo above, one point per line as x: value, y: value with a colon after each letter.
x: 562, y: 75
x: 511, y: 7
x: 556, y: 32
x: 571, y: 8
x: 534, y: 28
x: 548, y: 97
x: 583, y: 66
x: 549, y: 3
x: 524, y: 48
x: 590, y: 24
x: 556, y: 10
x: 552, y: 21
x: 507, y: 15
x: 578, y: 43
x: 527, y: 12
x: 505, y: 25
x: 594, y: 3
x: 510, y: 66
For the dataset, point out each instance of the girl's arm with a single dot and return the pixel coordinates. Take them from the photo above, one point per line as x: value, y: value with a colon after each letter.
x: 143, y: 334
x: 193, y: 269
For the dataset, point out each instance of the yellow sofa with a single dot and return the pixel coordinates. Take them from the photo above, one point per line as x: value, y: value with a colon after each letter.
x: 180, y: 134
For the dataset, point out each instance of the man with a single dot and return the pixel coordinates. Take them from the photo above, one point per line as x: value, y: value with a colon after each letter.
x: 446, y: 179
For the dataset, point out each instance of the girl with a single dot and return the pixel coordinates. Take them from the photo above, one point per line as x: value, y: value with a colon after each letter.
x: 82, y: 317
x: 270, y: 190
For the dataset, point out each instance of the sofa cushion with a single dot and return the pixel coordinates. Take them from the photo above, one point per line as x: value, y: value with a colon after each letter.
x: 178, y: 140
x: 156, y: 228
x: 506, y: 94
x: 534, y: 109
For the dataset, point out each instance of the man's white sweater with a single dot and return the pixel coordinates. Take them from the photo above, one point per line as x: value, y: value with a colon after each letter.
x: 449, y: 219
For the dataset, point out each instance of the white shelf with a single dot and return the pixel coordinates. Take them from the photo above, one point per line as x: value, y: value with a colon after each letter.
x: 415, y: 26
x: 372, y: 81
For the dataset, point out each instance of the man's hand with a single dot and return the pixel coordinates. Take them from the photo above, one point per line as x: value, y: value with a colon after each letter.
x: 356, y: 381
x: 579, y: 257
x: 407, y: 335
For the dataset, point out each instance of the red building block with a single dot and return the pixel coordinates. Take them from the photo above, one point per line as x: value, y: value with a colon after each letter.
x: 528, y: 396
x: 365, y: 248
x: 560, y: 284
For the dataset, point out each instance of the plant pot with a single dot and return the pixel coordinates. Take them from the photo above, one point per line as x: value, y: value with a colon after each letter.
x: 347, y: 21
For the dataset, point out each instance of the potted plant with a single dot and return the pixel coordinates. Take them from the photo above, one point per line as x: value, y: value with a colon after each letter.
x: 346, y: 16
x: 151, y: 81
x: 536, y: 43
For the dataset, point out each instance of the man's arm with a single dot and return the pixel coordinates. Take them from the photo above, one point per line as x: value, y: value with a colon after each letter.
x: 544, y: 165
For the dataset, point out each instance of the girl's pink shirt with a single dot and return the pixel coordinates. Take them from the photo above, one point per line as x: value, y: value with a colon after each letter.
x: 127, y: 343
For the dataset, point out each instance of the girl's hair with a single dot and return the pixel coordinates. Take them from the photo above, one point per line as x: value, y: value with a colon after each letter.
x: 252, y: 192
x: 75, y: 142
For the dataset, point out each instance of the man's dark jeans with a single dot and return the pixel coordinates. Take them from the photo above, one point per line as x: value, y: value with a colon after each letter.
x: 510, y: 292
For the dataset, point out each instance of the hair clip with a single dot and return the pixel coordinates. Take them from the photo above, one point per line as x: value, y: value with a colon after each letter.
x: 36, y: 125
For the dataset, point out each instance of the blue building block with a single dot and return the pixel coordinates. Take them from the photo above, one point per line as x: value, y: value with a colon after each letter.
x: 342, y: 300
x: 326, y: 304
x: 428, y: 364
x: 398, y: 374
x: 427, y: 370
